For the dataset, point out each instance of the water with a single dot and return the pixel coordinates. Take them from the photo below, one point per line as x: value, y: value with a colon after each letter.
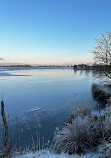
x: 49, y: 92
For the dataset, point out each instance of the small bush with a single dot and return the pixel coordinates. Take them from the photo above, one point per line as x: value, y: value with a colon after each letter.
x: 78, y: 136
x: 83, y: 131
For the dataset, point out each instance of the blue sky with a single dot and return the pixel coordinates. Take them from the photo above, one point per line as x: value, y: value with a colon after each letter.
x: 51, y: 31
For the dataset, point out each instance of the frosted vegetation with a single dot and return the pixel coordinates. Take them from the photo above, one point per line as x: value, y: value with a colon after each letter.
x: 84, y: 130
x: 86, y: 134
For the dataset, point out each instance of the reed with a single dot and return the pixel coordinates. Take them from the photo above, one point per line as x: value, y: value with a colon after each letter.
x: 6, y: 137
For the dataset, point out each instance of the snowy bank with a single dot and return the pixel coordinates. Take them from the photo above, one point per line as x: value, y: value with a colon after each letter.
x: 101, y: 92
x: 47, y: 154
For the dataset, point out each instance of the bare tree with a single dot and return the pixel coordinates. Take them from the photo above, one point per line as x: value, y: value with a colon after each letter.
x: 102, y: 53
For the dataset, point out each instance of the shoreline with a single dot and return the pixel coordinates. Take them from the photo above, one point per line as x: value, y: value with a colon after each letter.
x: 46, y: 67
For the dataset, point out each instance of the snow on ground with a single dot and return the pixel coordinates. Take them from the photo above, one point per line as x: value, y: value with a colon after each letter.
x: 47, y: 154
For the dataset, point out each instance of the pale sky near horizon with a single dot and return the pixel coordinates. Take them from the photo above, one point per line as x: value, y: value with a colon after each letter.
x: 51, y: 31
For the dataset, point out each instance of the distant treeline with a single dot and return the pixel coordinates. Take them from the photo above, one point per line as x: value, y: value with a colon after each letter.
x: 16, y: 65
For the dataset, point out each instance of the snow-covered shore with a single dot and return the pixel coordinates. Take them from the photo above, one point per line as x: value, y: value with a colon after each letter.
x: 102, y: 151
x: 47, y: 154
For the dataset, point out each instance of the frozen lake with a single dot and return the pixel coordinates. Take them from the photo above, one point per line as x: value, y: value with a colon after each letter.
x: 48, y: 89
x: 49, y: 92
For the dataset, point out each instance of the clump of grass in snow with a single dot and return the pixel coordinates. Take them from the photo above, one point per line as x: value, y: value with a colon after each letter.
x: 83, y: 131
